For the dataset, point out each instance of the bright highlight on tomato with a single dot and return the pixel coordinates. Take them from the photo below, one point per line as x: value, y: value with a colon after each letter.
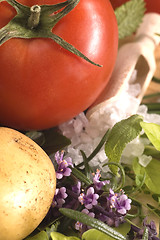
x: 151, y: 5
x: 41, y: 83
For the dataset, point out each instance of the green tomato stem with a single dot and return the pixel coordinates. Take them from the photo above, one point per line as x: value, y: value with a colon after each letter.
x: 34, y: 18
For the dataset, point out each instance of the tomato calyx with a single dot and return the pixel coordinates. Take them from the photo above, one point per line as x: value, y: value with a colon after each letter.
x: 38, y: 22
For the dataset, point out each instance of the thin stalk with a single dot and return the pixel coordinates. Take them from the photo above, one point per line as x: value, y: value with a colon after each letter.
x: 122, y: 173
x: 153, y: 106
x: 157, y: 80
x: 97, y: 149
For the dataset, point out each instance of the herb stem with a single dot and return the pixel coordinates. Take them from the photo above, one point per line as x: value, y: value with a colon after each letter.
x: 97, y: 149
x: 157, y: 80
x: 151, y: 95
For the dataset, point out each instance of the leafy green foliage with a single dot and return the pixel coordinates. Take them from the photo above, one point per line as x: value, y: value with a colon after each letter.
x: 145, y: 234
x: 155, y: 210
x: 96, y: 235
x: 151, y: 172
x: 40, y: 236
x: 59, y: 236
x: 122, y: 133
x: 92, y: 222
x: 129, y: 16
x: 152, y: 131
x: 152, y: 176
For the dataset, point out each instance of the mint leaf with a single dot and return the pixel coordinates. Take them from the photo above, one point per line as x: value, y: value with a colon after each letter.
x: 122, y: 133
x: 129, y: 16
x: 152, y: 131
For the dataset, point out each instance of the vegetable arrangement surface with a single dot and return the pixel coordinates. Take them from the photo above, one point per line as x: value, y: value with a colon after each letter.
x: 43, y: 83
x: 55, y: 60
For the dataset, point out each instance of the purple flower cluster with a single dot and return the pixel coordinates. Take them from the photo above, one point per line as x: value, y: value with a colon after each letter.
x: 110, y: 208
x: 63, y: 165
x: 139, y: 232
x: 59, y: 197
x: 89, y: 199
x: 96, y: 181
x: 119, y: 202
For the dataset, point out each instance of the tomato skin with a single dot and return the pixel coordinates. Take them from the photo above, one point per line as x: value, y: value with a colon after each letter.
x: 151, y: 5
x: 42, y: 84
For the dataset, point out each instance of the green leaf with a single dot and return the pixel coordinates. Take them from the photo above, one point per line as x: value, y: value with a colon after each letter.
x: 145, y: 234
x: 59, y: 236
x: 79, y: 175
x: 156, y: 197
x: 129, y: 16
x: 155, y: 210
x: 140, y: 180
x: 54, y: 141
x: 152, y: 176
x: 137, y: 168
x: 152, y: 131
x: 122, y: 133
x: 40, y: 236
x: 151, y: 172
x: 92, y: 222
x: 94, y: 234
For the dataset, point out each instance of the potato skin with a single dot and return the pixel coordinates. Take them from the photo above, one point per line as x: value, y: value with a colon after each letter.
x: 27, y: 184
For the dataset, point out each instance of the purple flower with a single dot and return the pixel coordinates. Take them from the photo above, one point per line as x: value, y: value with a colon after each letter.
x: 120, y: 202
x: 77, y: 188
x: 63, y: 165
x: 89, y: 199
x: 79, y: 225
x: 60, y: 195
x: 151, y: 230
x: 97, y: 183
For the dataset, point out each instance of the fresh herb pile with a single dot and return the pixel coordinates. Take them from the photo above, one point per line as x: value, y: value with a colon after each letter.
x: 90, y: 206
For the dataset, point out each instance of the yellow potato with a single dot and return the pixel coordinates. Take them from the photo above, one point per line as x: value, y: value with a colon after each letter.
x: 27, y: 184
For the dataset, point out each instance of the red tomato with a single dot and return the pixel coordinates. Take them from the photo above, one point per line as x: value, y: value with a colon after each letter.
x: 42, y: 84
x: 151, y: 5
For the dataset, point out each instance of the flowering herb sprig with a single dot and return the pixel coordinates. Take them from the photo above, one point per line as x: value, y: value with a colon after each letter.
x: 86, y: 199
x: 93, y: 199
